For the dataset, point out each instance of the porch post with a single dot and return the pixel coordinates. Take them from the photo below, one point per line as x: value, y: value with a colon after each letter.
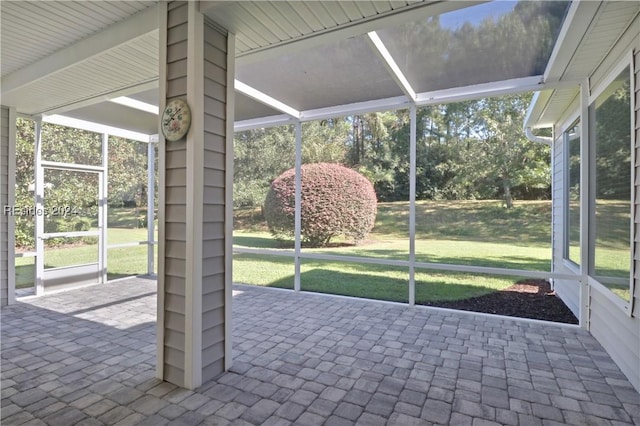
x: 298, y: 205
x: 193, y: 280
x: 39, y: 203
x: 585, y: 205
x: 151, y: 187
x: 412, y: 204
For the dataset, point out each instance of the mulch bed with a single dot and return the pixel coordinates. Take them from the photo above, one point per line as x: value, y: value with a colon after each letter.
x: 526, y: 299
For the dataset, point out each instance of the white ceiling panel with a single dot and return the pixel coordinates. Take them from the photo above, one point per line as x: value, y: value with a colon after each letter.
x: 32, y: 30
x: 340, y: 73
x: 126, y: 66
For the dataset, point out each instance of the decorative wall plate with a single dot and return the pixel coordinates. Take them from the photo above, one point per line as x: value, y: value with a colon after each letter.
x: 176, y: 120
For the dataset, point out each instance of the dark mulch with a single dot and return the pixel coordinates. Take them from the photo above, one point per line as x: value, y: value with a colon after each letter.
x: 525, y: 299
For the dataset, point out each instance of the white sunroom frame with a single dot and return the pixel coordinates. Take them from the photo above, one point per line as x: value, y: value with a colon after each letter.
x: 102, y: 171
x: 410, y: 100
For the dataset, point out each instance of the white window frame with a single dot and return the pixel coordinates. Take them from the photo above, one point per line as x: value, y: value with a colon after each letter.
x: 568, y: 262
x: 625, y: 305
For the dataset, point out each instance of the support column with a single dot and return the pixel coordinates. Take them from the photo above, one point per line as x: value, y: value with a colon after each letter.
x: 298, y: 205
x: 412, y: 204
x: 194, y: 234
x: 7, y: 201
x: 586, y: 189
x: 39, y: 203
x: 151, y: 190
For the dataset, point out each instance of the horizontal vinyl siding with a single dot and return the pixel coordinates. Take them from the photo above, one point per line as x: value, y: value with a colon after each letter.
x: 213, y: 241
x: 175, y: 203
x: 4, y: 200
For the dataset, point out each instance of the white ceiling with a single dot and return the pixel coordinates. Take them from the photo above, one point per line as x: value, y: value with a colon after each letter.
x: 72, y: 57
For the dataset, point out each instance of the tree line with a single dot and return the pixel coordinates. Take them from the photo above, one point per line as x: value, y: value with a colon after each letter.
x: 465, y: 150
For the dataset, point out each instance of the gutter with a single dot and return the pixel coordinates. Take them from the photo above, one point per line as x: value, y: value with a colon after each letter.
x: 527, y: 128
x: 538, y: 139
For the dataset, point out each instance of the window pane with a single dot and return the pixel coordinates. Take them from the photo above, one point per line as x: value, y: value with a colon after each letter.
x: 612, y: 133
x: 572, y: 145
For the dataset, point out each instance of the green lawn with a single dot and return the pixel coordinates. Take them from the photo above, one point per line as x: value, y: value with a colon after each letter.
x: 121, y: 262
x: 480, y: 233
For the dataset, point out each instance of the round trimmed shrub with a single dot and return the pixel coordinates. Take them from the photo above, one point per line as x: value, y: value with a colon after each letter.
x: 336, y: 201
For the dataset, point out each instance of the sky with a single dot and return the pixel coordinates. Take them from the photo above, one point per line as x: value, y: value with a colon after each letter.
x: 476, y: 14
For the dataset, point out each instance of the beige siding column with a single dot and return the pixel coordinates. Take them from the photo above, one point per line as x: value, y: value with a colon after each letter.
x: 7, y: 185
x: 194, y: 272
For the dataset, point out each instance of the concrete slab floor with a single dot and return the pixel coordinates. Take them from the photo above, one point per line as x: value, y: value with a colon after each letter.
x: 87, y: 357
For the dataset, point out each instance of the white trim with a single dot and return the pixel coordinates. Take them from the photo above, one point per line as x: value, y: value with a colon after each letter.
x: 412, y: 203
x: 394, y: 103
x: 228, y: 231
x: 262, y: 97
x: 133, y: 244
x: 576, y: 23
x: 585, y: 208
x: 26, y: 254
x: 136, y: 104
x: 138, y: 25
x: 391, y: 65
x: 103, y: 212
x: 448, y: 267
x: 298, y: 206
x: 151, y: 190
x: 605, y: 291
x: 263, y: 122
x: 477, y: 91
x: 94, y: 127
x: 270, y: 252
x: 634, y: 210
x: 162, y: 60
x: 74, y: 234
x: 11, y: 221
x: 613, y: 74
x: 194, y: 195
x: 54, y: 165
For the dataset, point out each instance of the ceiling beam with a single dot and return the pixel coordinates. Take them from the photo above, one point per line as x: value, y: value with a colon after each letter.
x: 391, y: 65
x: 411, y: 12
x: 137, y: 25
x: 95, y: 127
x: 265, y: 99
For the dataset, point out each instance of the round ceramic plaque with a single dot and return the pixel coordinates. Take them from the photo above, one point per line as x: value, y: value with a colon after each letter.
x: 176, y: 120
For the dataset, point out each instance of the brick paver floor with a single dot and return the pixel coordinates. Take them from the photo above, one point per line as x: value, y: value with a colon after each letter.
x: 87, y: 357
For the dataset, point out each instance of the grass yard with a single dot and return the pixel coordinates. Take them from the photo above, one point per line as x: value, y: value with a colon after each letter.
x: 480, y: 233
x: 122, y: 261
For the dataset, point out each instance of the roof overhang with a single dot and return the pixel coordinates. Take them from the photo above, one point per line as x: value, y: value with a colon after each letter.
x: 590, y: 31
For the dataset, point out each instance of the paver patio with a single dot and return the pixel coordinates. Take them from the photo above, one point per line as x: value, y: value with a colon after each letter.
x: 87, y: 357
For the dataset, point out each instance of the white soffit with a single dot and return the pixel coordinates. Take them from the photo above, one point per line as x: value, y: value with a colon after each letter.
x: 592, y: 30
x: 260, y: 24
x: 33, y: 30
